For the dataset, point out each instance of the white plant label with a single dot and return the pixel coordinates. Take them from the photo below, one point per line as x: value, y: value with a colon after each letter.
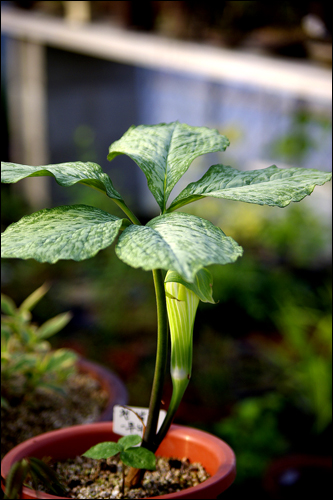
x: 125, y: 420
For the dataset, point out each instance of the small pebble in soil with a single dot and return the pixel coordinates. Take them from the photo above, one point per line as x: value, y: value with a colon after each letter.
x: 88, y: 478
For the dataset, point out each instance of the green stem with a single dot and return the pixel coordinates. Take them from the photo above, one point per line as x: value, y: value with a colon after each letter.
x: 162, y: 347
x: 127, y: 211
x: 161, y: 361
x: 177, y: 395
x: 123, y: 476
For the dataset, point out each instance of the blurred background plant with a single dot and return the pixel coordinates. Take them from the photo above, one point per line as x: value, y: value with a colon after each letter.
x: 294, y: 415
x: 28, y: 362
x: 306, y: 132
x: 42, y: 387
x: 253, y: 431
x: 304, y: 357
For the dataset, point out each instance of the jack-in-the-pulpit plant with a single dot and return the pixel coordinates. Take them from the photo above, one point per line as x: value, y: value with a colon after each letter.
x: 179, y: 243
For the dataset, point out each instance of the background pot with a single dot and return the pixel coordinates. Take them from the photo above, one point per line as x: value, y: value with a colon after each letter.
x: 198, y: 446
x: 110, y: 382
x: 298, y: 476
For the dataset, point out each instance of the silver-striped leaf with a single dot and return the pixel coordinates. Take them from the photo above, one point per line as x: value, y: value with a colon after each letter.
x: 270, y: 186
x: 179, y: 242
x: 165, y: 151
x: 74, y: 232
x: 66, y: 174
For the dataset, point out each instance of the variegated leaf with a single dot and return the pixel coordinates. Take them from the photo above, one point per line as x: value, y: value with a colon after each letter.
x: 165, y: 151
x: 66, y: 174
x: 75, y: 232
x: 270, y: 186
x: 179, y: 242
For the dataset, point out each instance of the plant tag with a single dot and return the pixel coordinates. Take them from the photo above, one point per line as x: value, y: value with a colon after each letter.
x: 126, y: 422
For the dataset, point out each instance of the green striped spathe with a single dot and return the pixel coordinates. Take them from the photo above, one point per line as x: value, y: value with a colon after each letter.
x: 182, y: 305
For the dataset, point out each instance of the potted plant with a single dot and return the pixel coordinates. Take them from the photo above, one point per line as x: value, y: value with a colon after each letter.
x: 175, y: 242
x: 40, y: 386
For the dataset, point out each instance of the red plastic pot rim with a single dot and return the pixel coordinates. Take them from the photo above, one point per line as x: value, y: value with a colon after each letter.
x: 199, y: 446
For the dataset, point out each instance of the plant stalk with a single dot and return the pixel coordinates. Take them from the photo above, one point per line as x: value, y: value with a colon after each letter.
x: 176, y: 398
x: 161, y: 361
x: 127, y: 211
x: 135, y: 476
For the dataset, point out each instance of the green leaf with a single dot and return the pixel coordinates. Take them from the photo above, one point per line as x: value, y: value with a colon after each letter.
x: 202, y: 285
x: 60, y: 358
x: 51, y: 388
x: 33, y: 299
x: 73, y: 232
x: 8, y: 306
x: 165, y: 151
x: 270, y: 186
x: 53, y: 325
x: 16, y: 477
x: 129, y: 441
x: 4, y: 403
x: 66, y: 174
x: 140, y: 458
x: 23, y: 363
x: 103, y: 450
x: 179, y: 242
x: 47, y: 476
x: 6, y: 334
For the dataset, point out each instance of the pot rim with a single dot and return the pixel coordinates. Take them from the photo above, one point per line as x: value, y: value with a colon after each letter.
x: 223, y: 454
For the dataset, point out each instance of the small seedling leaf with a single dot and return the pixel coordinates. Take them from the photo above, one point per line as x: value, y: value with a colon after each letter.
x: 140, y: 458
x: 129, y: 441
x: 103, y: 450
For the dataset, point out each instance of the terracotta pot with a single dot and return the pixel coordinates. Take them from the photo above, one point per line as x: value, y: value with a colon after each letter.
x: 110, y: 382
x: 215, y: 455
